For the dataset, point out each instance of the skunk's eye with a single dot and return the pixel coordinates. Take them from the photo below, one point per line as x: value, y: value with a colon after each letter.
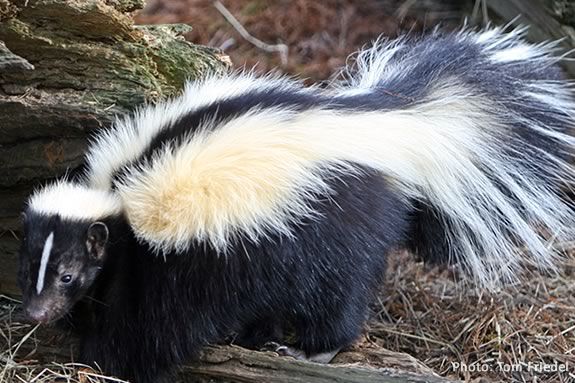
x: 66, y: 279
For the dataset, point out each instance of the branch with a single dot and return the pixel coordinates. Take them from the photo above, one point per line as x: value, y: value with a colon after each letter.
x: 282, y: 49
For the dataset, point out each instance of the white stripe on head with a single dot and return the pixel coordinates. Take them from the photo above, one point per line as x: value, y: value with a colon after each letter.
x: 44, y: 262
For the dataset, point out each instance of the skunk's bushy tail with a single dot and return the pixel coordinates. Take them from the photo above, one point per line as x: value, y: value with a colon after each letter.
x: 472, y: 127
x: 489, y: 162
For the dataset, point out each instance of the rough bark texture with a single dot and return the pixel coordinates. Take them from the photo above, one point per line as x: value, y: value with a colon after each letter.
x: 66, y: 68
x: 240, y: 365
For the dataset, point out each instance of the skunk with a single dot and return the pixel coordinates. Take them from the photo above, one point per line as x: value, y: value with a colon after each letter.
x: 257, y: 208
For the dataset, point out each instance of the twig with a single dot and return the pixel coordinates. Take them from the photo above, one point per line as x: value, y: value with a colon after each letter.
x: 282, y: 49
x: 404, y: 8
x: 484, y: 12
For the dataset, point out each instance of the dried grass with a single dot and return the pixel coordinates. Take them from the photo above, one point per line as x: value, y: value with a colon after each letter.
x: 508, y: 335
x: 19, y: 366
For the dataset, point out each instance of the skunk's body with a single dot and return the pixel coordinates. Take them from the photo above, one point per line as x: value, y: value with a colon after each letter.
x: 160, y: 312
x: 256, y: 206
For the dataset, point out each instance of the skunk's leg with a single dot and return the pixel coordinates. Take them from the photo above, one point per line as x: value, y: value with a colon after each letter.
x: 120, y: 357
x: 258, y: 333
x: 320, y: 338
x: 320, y: 335
x: 143, y: 351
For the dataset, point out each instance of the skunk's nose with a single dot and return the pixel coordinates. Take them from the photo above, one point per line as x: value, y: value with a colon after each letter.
x: 37, y: 314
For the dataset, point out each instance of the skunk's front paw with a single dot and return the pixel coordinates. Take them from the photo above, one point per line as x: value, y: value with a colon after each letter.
x: 283, y: 350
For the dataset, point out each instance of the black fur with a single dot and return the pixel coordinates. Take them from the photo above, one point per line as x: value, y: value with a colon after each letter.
x: 157, y: 312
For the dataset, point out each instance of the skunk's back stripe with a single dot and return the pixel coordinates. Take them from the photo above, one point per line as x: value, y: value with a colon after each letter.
x: 292, y: 102
x: 135, y: 138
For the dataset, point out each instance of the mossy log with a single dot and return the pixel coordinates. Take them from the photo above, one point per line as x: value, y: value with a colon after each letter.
x: 67, y: 67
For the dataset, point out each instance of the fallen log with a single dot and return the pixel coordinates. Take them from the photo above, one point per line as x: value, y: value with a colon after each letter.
x: 362, y: 364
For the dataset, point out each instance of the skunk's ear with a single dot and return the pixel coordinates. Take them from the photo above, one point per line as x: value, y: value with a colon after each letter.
x: 96, y: 239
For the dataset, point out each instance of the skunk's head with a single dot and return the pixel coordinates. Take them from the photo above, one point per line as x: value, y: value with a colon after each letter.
x: 63, y: 249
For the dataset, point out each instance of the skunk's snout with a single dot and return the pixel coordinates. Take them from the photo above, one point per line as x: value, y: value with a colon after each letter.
x: 43, y: 310
x: 37, y: 314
